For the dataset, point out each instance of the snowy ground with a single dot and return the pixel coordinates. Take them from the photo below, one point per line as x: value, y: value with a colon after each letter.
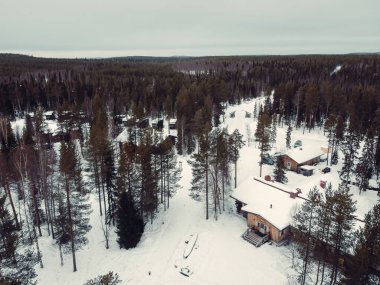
x: 220, y: 255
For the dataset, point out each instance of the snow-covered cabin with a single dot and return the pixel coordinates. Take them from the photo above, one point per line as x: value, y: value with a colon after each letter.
x: 297, y: 157
x: 268, y: 207
x: 49, y: 115
x: 173, y: 124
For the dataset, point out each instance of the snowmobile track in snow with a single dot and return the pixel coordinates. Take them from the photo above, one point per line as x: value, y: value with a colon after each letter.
x: 190, y: 245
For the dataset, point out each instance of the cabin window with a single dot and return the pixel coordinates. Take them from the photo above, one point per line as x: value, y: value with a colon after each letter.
x: 261, y: 226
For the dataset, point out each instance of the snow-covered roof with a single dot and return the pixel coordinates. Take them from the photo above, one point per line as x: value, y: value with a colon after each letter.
x: 123, y: 136
x: 307, y: 167
x: 172, y: 121
x: 259, y: 195
x: 49, y: 113
x: 303, y: 154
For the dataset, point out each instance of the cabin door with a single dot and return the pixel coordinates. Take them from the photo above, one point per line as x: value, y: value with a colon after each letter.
x: 262, y: 228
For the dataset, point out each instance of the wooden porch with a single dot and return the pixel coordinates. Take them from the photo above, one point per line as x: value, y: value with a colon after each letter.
x: 255, y: 237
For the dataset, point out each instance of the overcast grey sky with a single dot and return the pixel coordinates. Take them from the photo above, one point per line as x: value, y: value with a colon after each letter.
x: 99, y: 28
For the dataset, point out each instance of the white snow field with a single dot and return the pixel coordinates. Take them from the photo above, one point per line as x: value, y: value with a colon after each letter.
x: 220, y: 255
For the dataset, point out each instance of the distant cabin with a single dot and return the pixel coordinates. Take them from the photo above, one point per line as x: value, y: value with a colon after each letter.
x: 301, y: 156
x: 49, y: 115
x: 173, y: 124
x: 267, y: 205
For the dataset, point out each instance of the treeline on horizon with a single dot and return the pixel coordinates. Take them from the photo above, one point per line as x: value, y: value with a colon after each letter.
x: 196, y: 90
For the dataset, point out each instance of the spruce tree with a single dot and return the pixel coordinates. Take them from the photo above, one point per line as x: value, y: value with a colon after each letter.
x: 279, y: 171
x: 129, y: 224
x: 350, y: 147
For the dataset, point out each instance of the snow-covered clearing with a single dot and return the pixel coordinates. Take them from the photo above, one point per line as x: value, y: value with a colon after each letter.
x: 220, y: 255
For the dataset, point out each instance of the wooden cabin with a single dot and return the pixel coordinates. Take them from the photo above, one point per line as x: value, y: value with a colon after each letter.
x: 267, y: 205
x: 300, y: 156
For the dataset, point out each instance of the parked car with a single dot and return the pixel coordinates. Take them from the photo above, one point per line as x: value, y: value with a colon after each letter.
x: 326, y: 169
x: 267, y: 159
x: 297, y: 143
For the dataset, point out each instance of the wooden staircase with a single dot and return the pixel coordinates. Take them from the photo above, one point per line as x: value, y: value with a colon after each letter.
x: 250, y: 236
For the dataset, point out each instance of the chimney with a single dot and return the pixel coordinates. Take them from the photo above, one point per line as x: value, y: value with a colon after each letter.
x: 267, y: 178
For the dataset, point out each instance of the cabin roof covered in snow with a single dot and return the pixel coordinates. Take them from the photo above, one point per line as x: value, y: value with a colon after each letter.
x: 303, y: 154
x: 123, y: 136
x: 307, y: 167
x: 172, y: 121
x: 259, y: 195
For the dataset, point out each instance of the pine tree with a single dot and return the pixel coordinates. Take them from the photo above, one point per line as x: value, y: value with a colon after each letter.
x: 342, y: 227
x: 330, y: 125
x: 200, y: 169
x: 235, y: 143
x: 262, y: 134
x: 129, y: 224
x: 305, y: 220
x: 77, y: 205
x: 367, y: 247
